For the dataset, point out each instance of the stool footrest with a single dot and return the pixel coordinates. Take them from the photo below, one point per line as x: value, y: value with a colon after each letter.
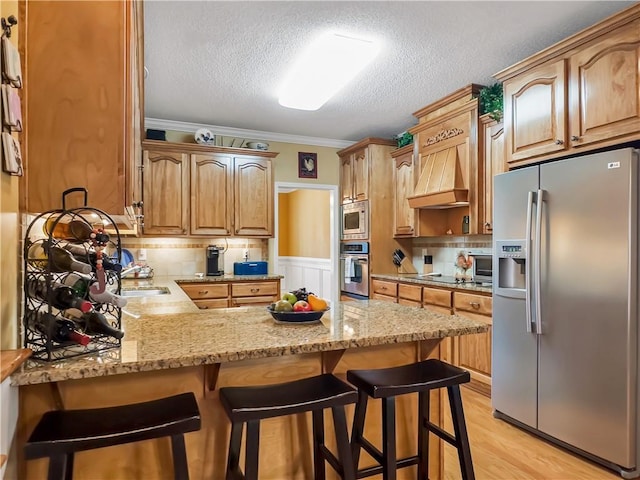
x: 378, y: 469
x: 370, y: 449
x: 331, y: 458
x: 436, y: 430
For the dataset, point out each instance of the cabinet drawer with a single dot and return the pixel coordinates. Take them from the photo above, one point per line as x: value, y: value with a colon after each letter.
x: 409, y: 303
x: 207, y: 290
x: 384, y: 298
x: 213, y: 303
x: 253, y: 289
x: 469, y: 302
x: 437, y: 296
x: 253, y: 301
x: 383, y: 287
x: 410, y: 292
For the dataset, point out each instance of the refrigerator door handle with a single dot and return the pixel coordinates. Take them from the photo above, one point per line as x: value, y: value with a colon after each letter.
x: 537, y: 261
x: 528, y: 304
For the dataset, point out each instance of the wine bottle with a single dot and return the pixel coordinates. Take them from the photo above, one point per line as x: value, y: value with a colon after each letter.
x: 59, y: 330
x: 80, y: 284
x: 60, y: 297
x: 96, y: 323
x: 59, y: 259
x: 74, y: 230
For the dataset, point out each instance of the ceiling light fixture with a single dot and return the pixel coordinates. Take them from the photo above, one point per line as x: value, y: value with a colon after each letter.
x: 326, y: 66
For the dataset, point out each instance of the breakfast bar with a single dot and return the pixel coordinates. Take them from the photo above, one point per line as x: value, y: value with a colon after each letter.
x: 173, y: 347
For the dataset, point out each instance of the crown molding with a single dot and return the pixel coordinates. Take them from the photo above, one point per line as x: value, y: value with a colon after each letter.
x: 161, y: 124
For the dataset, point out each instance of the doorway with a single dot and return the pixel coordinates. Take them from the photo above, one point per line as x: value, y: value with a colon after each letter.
x: 316, y: 274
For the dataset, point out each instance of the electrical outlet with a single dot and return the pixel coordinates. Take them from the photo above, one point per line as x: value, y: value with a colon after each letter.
x: 142, y: 254
x: 245, y: 254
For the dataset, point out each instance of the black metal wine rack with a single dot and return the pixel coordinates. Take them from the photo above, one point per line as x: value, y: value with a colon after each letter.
x: 38, y: 269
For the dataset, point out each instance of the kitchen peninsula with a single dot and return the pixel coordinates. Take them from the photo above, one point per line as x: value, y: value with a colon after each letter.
x: 174, y: 347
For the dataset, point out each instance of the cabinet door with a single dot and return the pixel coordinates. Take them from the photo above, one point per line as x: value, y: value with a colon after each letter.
x: 361, y: 175
x: 77, y: 107
x: 211, y: 194
x: 534, y: 112
x: 604, y: 85
x: 165, y: 192
x: 253, y: 195
x: 473, y: 352
x: 346, y: 179
x: 494, y: 163
x: 404, y: 220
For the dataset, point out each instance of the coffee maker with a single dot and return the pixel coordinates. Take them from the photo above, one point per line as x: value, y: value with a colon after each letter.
x: 215, y: 260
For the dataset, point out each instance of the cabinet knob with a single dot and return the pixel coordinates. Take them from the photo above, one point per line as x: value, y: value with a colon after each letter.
x: 137, y: 204
x: 203, y: 292
x: 559, y: 142
x: 487, y: 224
x: 204, y: 308
x: 575, y: 138
x: 475, y: 305
x: 255, y: 290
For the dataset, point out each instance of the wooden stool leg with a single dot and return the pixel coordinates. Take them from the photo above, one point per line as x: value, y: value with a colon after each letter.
x: 253, y: 443
x: 180, y: 467
x: 358, y: 427
x: 342, y: 441
x: 389, y: 459
x: 58, y: 467
x: 319, y: 472
x: 235, y: 443
x: 460, y: 429
x: 423, y: 436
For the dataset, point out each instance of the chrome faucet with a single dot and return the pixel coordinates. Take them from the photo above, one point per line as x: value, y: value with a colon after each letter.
x: 127, y: 271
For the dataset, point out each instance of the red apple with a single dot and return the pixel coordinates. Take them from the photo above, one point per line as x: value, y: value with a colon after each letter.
x: 301, y: 306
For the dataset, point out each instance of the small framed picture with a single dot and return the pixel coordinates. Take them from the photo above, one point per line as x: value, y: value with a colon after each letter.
x: 307, y: 165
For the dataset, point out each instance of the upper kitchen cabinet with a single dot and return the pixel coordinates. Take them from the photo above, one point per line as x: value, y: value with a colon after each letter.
x: 493, y: 161
x: 448, y: 188
x: 355, y: 167
x: 405, y: 218
x: 222, y: 191
x: 578, y: 95
x: 82, y: 105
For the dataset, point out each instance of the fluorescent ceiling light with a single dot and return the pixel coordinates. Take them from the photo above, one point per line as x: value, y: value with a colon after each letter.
x: 326, y: 66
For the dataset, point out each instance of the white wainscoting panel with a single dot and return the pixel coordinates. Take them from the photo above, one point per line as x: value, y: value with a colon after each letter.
x: 312, y: 273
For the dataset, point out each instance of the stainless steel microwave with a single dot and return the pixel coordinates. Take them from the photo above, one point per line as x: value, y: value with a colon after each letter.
x: 482, y: 266
x: 355, y: 221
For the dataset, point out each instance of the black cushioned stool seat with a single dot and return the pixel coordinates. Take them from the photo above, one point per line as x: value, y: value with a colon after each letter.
x: 61, y: 433
x: 386, y: 384
x: 251, y: 404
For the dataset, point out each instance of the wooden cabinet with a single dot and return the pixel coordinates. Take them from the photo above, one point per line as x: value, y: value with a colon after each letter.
x: 224, y: 192
x: 384, y: 290
x: 233, y: 294
x: 410, y: 295
x: 405, y: 218
x: 354, y: 179
x: 473, y: 352
x: 493, y: 161
x: 578, y: 95
x: 82, y: 116
x: 165, y: 192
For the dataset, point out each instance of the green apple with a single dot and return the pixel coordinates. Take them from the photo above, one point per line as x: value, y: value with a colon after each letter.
x: 290, y: 297
x: 282, y: 306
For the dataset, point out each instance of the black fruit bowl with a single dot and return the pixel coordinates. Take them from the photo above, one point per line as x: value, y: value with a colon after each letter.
x: 296, y: 317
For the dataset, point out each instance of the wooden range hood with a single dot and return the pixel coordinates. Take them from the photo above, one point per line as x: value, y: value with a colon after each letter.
x: 440, y: 184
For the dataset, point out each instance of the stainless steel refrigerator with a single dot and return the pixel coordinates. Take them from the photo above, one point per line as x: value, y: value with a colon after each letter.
x: 565, y: 357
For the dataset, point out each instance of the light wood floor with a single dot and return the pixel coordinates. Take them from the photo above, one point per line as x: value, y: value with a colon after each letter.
x: 501, y: 451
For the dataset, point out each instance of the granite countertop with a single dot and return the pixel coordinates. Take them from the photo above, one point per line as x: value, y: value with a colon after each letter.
x: 422, y: 280
x: 169, y: 331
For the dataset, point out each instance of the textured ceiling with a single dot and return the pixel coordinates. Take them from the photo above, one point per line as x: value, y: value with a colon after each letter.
x: 221, y: 63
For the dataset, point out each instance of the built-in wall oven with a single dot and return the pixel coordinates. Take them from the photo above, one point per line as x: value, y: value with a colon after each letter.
x: 355, y: 221
x: 354, y: 269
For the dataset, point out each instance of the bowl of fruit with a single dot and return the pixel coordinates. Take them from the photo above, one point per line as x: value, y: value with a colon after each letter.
x: 298, y: 306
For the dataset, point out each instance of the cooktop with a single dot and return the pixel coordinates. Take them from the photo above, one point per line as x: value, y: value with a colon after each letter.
x: 451, y: 280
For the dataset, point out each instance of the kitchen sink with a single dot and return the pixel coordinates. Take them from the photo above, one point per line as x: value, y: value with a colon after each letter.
x: 145, y: 291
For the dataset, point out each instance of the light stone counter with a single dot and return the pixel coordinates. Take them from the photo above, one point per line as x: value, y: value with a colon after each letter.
x: 171, y: 332
x: 422, y: 280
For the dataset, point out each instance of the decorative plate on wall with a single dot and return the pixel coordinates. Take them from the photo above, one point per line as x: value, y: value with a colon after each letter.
x: 205, y: 137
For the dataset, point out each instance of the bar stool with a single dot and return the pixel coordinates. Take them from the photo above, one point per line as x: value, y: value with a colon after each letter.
x: 251, y: 404
x: 386, y: 384
x: 61, y: 433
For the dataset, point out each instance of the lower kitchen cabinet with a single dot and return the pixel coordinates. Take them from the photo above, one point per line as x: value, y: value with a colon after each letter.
x: 473, y: 352
x: 410, y: 295
x: 233, y: 294
x: 384, y: 290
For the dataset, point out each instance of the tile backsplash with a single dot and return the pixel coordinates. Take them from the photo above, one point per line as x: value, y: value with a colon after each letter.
x: 187, y: 256
x: 444, y: 250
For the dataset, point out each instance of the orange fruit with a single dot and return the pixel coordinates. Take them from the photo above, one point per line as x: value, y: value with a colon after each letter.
x: 317, y: 304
